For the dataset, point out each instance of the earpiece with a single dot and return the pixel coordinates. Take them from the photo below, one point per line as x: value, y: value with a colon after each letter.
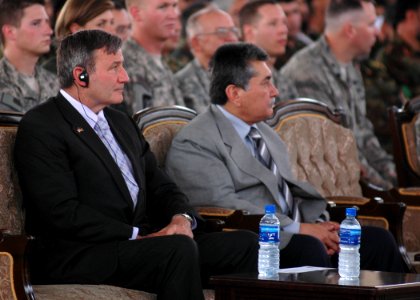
x: 84, y: 77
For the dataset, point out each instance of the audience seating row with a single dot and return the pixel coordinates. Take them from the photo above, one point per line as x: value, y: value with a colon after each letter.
x: 321, y: 151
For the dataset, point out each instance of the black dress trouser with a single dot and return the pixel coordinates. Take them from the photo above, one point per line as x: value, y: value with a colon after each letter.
x: 378, y: 252
x: 175, y: 266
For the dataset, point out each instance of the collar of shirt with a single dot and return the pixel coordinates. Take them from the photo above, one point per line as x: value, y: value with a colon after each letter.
x: 83, y: 110
x: 240, y: 126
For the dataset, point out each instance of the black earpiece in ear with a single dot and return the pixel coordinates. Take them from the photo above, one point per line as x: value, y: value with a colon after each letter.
x: 84, y: 77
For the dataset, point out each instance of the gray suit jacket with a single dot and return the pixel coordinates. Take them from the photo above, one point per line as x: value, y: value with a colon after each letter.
x: 213, y: 166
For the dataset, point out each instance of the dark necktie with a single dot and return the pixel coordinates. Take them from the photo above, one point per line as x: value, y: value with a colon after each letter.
x: 264, y: 156
x: 105, y: 134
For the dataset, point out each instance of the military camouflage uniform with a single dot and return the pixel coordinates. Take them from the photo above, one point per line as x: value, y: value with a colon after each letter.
x: 150, y: 84
x: 194, y: 82
x: 403, y: 64
x: 317, y: 74
x: 179, y: 58
x: 285, y: 86
x: 382, y: 92
x: 16, y: 95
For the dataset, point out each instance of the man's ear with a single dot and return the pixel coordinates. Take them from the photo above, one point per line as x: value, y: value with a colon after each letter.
x: 9, y: 32
x: 233, y: 94
x: 248, y: 33
x: 74, y: 27
x: 194, y: 44
x: 135, y: 13
x: 76, y: 76
x: 348, y: 30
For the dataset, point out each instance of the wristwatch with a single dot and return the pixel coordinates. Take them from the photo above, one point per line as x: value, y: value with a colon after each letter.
x: 188, y: 217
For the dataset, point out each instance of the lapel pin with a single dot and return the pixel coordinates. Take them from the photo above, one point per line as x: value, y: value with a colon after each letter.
x: 79, y: 129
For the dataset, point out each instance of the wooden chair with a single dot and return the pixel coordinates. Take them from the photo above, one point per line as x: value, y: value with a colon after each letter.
x: 405, y: 129
x: 324, y: 153
x: 159, y: 126
x: 15, y: 280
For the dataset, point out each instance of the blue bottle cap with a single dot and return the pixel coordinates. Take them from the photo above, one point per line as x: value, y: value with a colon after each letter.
x: 351, y: 211
x: 270, y: 209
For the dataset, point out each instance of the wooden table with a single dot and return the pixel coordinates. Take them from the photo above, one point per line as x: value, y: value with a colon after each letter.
x: 321, y: 284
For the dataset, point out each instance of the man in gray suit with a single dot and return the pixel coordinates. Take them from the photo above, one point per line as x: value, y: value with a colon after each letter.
x: 216, y: 163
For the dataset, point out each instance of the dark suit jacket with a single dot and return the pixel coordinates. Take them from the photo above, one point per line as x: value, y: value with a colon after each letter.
x: 77, y: 203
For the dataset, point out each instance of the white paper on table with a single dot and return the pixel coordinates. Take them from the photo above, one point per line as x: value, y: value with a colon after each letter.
x: 302, y: 269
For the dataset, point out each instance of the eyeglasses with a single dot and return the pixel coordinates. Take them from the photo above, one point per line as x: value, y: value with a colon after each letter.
x: 223, y: 32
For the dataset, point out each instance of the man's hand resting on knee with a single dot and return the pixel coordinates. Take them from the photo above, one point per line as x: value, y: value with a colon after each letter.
x: 178, y: 225
x: 326, y: 232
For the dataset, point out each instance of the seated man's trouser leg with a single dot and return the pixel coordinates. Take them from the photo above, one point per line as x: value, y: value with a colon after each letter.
x: 378, y: 251
x: 170, y: 265
x: 227, y: 252
x: 304, y: 250
x: 160, y: 265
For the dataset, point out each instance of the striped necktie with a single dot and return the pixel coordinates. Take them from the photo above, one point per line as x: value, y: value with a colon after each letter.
x: 265, y: 158
x: 104, y: 132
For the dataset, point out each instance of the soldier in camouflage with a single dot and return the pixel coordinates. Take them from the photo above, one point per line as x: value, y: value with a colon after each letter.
x: 296, y: 39
x: 382, y: 92
x: 393, y: 77
x: 402, y: 55
x: 326, y: 71
x: 23, y: 84
x: 207, y: 29
x: 151, y: 81
x: 256, y: 20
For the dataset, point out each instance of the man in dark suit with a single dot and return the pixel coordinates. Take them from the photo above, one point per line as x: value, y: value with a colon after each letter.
x: 227, y: 167
x: 100, y: 208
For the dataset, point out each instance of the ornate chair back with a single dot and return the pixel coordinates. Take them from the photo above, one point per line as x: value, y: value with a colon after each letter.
x: 405, y: 129
x: 321, y: 151
x: 159, y: 126
x: 11, y: 213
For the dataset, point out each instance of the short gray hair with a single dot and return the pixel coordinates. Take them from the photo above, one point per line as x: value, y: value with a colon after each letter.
x: 340, y: 11
x: 193, y: 28
x: 78, y: 50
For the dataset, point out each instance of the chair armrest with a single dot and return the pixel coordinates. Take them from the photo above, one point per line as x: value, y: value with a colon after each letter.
x: 233, y: 219
x: 348, y: 200
x: 409, y: 196
x: 15, y: 247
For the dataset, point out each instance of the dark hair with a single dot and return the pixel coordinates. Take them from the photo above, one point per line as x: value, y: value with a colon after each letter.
x: 11, y: 12
x: 339, y: 7
x: 119, y: 4
x: 79, y: 12
x: 401, y: 8
x: 78, y: 50
x: 249, y: 12
x: 231, y: 65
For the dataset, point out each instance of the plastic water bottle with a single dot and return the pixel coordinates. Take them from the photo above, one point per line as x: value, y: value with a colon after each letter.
x: 269, y: 253
x: 349, y: 257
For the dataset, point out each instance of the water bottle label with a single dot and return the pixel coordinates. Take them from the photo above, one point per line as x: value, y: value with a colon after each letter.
x: 350, y: 236
x: 269, y: 234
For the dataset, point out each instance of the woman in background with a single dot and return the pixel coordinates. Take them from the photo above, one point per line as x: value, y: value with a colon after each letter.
x: 79, y: 15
